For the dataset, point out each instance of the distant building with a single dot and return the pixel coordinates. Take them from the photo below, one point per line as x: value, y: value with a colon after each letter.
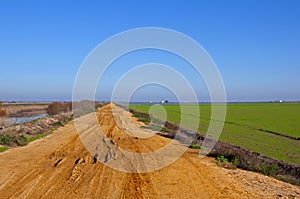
x: 165, y: 102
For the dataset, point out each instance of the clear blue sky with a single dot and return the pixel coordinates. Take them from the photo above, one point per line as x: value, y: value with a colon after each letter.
x: 255, y: 44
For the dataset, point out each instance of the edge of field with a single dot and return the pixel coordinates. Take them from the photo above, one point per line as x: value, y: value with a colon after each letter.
x: 228, y: 153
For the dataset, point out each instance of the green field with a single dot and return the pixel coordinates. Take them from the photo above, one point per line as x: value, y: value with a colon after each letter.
x: 271, y: 129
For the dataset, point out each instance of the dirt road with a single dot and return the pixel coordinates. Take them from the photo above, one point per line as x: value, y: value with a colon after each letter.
x: 59, y: 166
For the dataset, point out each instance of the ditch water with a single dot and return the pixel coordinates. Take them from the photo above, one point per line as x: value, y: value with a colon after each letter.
x: 19, y: 120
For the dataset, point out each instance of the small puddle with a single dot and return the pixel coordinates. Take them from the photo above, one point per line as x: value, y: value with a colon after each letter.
x: 19, y: 120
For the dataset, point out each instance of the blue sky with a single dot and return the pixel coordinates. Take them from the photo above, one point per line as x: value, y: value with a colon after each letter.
x: 255, y: 44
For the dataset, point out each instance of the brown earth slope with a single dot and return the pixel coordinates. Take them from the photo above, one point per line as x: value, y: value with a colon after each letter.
x: 59, y: 166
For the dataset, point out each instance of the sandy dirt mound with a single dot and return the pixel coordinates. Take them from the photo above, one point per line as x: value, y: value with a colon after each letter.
x: 59, y: 166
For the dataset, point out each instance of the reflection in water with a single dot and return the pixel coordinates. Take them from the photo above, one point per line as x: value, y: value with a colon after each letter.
x: 18, y: 120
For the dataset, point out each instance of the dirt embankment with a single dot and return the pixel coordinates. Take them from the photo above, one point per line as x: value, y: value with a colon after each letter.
x: 21, y: 134
x: 59, y: 166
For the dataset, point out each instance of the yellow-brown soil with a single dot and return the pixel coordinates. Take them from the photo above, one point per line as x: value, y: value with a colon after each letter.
x: 59, y: 166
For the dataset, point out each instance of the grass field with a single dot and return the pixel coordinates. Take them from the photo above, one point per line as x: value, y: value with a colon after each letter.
x: 272, y: 129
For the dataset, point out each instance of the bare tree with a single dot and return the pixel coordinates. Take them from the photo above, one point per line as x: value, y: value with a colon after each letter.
x: 3, y: 114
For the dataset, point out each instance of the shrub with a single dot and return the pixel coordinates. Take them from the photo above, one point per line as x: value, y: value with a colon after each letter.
x: 58, y: 107
x: 234, y: 161
x: 229, y: 159
x: 21, y: 140
x: 222, y: 159
x: 3, y: 113
x: 266, y: 169
x: 84, y: 107
x: 5, y: 139
x: 142, y: 117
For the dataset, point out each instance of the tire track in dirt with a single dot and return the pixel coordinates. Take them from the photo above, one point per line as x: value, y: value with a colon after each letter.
x: 135, y: 185
x: 59, y: 166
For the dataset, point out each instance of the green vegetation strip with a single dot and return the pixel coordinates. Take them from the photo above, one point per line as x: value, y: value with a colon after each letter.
x: 20, y: 140
x: 3, y: 148
x: 35, y: 137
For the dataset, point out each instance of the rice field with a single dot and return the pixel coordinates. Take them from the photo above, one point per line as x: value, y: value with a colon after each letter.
x: 272, y: 129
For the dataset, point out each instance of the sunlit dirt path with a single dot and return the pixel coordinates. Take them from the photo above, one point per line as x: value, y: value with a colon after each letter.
x: 59, y: 166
